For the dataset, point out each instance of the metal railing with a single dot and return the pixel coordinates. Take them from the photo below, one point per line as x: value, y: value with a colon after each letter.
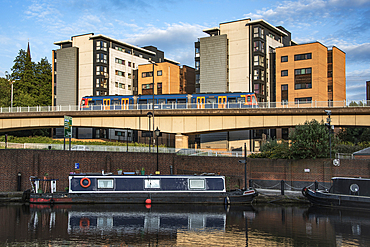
x: 176, y: 106
x: 138, y: 149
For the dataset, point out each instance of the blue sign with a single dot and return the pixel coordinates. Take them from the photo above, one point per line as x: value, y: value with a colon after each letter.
x: 77, y: 166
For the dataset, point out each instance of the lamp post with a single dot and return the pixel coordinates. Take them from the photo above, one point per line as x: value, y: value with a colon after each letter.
x: 149, y: 115
x: 328, y: 124
x: 7, y: 76
x: 154, y: 64
x: 157, y: 133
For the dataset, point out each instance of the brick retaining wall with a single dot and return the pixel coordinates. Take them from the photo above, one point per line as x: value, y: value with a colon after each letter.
x: 264, y: 172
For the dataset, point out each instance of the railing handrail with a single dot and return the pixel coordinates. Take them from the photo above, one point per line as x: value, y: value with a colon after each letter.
x: 180, y: 106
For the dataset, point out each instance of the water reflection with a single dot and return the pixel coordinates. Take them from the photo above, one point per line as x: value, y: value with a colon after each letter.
x: 181, y: 225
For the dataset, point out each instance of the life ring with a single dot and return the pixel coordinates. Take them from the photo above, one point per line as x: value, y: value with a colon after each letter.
x: 84, y: 223
x: 82, y: 182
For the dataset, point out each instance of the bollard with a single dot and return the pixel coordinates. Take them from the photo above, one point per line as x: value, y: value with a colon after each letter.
x: 316, y: 185
x: 171, y: 170
x: 19, y: 181
x: 282, y: 187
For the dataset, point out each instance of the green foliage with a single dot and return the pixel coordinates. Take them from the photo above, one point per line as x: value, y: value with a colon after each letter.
x: 32, y: 81
x: 354, y: 135
x: 273, y: 149
x: 4, y: 92
x: 310, y: 141
x: 347, y: 148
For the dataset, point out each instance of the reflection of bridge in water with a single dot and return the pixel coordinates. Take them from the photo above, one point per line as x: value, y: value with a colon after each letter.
x: 184, y: 122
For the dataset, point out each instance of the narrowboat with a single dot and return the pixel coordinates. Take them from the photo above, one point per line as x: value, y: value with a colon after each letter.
x: 344, y: 193
x: 108, y: 188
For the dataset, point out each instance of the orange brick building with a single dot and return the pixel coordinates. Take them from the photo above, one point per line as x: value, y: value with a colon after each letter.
x: 310, y: 73
x: 169, y: 78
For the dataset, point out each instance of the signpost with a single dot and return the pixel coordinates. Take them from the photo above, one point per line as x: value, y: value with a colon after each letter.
x: 67, y: 130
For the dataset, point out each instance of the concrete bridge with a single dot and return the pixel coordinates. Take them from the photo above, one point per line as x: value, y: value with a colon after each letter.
x: 187, y: 121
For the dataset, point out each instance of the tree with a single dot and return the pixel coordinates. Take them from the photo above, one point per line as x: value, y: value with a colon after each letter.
x: 310, y: 141
x: 4, y: 92
x: 32, y: 84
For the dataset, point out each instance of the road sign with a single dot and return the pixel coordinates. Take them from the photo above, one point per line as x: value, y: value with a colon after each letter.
x: 67, y: 127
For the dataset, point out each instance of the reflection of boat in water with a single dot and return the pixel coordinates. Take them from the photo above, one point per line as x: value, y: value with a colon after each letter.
x: 344, y: 193
x: 344, y: 221
x: 107, y: 188
x: 133, y: 222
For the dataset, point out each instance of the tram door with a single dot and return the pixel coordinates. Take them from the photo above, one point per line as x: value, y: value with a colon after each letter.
x: 200, y: 102
x: 125, y: 104
x: 222, y: 102
x: 106, y: 104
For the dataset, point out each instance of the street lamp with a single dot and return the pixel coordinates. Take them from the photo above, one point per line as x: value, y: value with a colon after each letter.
x: 157, y: 133
x: 154, y: 64
x: 7, y: 76
x: 149, y: 115
x: 328, y: 121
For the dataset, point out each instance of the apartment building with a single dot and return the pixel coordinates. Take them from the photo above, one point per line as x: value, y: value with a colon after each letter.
x: 310, y: 72
x: 239, y: 56
x: 169, y: 78
x: 90, y: 64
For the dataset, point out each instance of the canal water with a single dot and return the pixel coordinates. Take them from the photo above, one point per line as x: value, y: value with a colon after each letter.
x: 181, y: 225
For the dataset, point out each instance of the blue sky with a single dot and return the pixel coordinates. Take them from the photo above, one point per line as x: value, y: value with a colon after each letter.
x: 173, y: 26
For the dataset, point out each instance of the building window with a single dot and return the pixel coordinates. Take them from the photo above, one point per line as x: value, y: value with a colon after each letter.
x: 116, y: 84
x: 284, y: 73
x: 120, y: 61
x: 258, y: 32
x: 101, y: 70
x: 256, y: 88
x: 306, y: 100
x: 259, y: 46
x: 129, y: 75
x: 129, y: 64
x: 302, y: 56
x: 101, y: 45
x: 258, y: 60
x: 147, y: 74
x: 129, y: 87
x: 197, y: 65
x: 97, y: 83
x: 284, y: 59
x: 159, y: 72
x: 197, y: 78
x: 101, y: 58
x: 197, y: 50
x: 133, y: 65
x: 259, y: 74
x: 120, y: 73
x: 303, y: 71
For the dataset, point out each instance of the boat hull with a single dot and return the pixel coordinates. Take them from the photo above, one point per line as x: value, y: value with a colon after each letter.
x: 336, y: 200
x: 237, y: 197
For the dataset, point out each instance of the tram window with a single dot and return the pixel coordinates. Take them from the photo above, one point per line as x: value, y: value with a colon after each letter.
x: 98, y: 102
x: 162, y: 101
x: 152, y: 184
x: 142, y: 101
x: 170, y: 101
x: 232, y: 100
x: 115, y: 102
x: 82, y: 103
x: 241, y: 100
x: 150, y: 101
x: 248, y: 98
x: 211, y: 100
x: 193, y: 100
x: 181, y: 101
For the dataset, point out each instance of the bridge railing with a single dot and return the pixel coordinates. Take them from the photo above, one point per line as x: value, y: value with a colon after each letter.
x: 177, y: 106
x: 135, y: 149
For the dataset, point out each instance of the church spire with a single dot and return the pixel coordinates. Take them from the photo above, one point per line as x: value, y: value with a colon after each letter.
x: 29, y: 50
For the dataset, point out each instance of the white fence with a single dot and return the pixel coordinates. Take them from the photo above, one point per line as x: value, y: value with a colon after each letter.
x: 104, y: 148
x: 239, y: 105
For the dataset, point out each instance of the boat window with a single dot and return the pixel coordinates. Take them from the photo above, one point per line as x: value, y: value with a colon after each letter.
x: 105, y: 183
x: 196, y: 184
x: 152, y: 184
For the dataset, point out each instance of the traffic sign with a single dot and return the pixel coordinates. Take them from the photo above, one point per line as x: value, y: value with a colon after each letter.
x: 67, y: 127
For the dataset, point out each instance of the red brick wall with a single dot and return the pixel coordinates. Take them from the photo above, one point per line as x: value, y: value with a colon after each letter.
x: 267, y: 172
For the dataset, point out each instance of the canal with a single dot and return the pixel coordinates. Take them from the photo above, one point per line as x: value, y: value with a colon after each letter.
x: 181, y: 225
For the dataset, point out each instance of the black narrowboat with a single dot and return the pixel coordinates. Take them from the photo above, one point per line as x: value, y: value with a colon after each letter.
x: 107, y: 188
x: 344, y: 193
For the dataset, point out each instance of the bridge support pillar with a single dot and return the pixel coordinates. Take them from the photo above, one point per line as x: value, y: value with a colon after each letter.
x: 181, y: 141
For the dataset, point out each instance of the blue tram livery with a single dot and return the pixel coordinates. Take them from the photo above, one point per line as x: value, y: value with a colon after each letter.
x: 169, y: 101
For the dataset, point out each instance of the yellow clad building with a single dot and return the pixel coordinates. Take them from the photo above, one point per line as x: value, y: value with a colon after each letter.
x: 310, y: 73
